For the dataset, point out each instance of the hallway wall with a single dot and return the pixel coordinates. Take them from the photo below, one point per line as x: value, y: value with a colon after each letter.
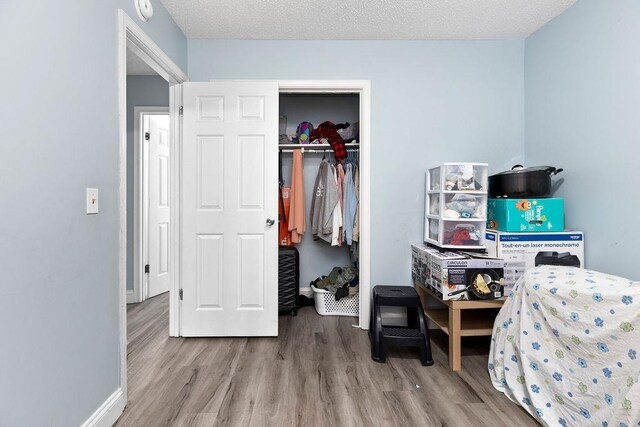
x: 60, y: 358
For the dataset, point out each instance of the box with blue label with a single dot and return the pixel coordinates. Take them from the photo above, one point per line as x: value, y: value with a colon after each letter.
x: 526, y: 215
x: 521, y: 251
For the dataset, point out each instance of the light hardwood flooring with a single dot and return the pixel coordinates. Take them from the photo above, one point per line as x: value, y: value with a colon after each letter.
x: 318, y: 372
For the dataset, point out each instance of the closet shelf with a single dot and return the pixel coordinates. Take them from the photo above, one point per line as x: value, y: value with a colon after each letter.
x: 314, y: 147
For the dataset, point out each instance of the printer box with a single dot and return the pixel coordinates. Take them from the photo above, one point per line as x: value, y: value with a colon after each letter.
x: 447, y: 272
x: 522, y: 215
x: 521, y: 251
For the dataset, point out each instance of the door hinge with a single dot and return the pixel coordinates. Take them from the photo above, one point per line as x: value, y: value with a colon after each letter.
x: 180, y: 294
x: 147, y: 136
x: 146, y: 269
x: 181, y: 110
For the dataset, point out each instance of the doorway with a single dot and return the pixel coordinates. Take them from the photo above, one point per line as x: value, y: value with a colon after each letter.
x: 147, y: 58
x: 147, y: 191
x: 361, y: 90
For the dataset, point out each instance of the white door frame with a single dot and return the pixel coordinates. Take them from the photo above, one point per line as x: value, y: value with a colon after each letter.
x: 363, y: 89
x: 140, y: 232
x: 131, y: 36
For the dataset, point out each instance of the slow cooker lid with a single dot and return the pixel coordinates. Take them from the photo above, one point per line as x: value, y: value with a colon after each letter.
x: 525, y: 170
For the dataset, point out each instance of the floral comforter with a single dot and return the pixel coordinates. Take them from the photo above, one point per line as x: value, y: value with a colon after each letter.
x: 566, y: 347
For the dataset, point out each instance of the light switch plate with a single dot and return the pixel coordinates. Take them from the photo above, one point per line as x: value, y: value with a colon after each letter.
x: 92, y: 200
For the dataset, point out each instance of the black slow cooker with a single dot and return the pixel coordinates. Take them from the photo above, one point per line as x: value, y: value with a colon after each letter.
x: 521, y: 182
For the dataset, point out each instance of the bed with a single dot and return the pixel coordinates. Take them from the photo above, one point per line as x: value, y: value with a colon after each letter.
x: 566, y: 347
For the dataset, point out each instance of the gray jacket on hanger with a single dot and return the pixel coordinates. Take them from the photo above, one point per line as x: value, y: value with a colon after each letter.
x: 323, y: 202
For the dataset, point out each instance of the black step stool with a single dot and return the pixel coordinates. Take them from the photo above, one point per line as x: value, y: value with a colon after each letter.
x: 415, y: 334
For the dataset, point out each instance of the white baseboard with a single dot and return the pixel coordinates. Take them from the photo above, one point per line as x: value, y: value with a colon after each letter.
x: 109, y: 412
x: 131, y: 299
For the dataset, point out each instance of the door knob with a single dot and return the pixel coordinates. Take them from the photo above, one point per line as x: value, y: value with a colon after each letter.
x: 270, y: 221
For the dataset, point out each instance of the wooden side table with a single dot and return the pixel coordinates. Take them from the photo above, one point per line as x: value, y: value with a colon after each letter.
x: 459, y: 319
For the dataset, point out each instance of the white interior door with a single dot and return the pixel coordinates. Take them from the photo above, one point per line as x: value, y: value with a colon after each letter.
x: 158, y: 205
x: 229, y: 175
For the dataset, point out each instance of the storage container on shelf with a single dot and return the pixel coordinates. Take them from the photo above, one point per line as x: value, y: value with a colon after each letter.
x: 456, y: 205
x: 451, y: 177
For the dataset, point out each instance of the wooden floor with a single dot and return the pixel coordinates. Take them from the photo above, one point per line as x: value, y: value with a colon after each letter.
x: 318, y: 372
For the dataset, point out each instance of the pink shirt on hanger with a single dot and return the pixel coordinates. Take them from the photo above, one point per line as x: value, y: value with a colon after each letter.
x: 297, y: 221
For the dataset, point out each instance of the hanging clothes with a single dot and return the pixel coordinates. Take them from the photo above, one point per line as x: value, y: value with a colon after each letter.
x: 350, y: 202
x: 340, y: 184
x: 355, y: 246
x: 323, y: 202
x: 356, y: 221
x: 296, y: 220
x: 284, y: 235
x: 336, y: 229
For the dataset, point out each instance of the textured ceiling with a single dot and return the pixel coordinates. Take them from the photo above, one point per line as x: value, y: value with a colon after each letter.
x: 362, y: 19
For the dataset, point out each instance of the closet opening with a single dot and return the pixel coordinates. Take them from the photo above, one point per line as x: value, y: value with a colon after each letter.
x: 319, y: 201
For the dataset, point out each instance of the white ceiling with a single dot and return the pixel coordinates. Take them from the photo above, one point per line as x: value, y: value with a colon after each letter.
x: 137, y: 67
x: 362, y: 19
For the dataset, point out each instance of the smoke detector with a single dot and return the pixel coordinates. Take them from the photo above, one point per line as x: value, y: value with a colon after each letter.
x: 144, y: 9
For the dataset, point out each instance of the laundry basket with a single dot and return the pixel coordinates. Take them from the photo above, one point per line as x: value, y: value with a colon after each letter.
x: 326, y: 304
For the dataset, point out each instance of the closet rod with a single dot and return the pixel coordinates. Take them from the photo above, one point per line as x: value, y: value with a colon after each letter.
x: 313, y: 147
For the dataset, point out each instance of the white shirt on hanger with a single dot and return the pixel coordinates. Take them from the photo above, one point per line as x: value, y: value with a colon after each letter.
x: 337, y: 216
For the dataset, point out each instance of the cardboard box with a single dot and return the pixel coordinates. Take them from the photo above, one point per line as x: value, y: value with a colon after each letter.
x: 447, y: 272
x: 421, y: 264
x: 520, y: 250
x: 522, y: 215
x: 450, y: 274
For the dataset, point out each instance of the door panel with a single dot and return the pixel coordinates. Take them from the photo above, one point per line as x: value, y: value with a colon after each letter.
x: 251, y: 166
x: 250, y: 265
x: 210, y: 172
x: 229, y: 190
x: 158, y: 280
x: 163, y: 181
x: 210, y: 264
x: 163, y: 250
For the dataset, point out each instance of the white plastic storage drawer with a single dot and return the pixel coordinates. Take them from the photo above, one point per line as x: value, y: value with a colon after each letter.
x: 456, y: 205
x: 455, y: 234
x: 433, y: 180
x: 432, y: 230
x: 433, y: 204
x: 463, y: 205
x: 461, y: 234
x: 464, y: 177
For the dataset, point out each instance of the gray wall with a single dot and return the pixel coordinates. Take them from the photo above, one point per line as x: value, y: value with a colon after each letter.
x: 142, y: 91
x: 317, y: 257
x: 582, y: 79
x: 60, y: 354
x: 432, y: 102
